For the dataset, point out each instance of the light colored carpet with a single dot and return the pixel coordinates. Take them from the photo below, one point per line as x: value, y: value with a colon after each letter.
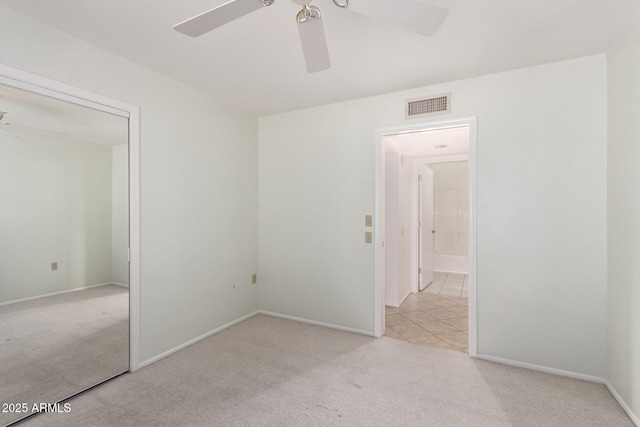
x: 54, y: 346
x: 273, y: 372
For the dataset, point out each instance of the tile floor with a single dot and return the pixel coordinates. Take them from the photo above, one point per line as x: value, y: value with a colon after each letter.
x: 437, y: 316
x: 449, y: 284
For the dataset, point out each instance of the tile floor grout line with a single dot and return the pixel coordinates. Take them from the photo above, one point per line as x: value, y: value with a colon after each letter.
x: 433, y: 337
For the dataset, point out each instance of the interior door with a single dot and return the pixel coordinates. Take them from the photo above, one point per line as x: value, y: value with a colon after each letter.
x: 426, y: 227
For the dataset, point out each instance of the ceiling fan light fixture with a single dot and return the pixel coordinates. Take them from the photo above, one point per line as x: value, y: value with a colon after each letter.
x: 308, y: 12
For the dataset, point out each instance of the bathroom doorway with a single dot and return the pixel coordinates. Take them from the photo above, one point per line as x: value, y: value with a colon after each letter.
x: 428, y: 239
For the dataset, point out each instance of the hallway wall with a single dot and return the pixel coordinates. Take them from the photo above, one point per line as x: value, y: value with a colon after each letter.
x: 397, y: 223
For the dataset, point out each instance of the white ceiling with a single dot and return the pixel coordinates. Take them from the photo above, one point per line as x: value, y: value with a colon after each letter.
x: 256, y: 62
x: 435, y: 143
x: 32, y: 116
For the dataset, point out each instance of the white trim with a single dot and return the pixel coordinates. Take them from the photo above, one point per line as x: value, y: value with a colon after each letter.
x: 471, y: 123
x: 197, y: 339
x: 543, y: 369
x: 315, y: 323
x: 442, y: 159
x: 378, y: 240
x: 403, y: 299
x: 52, y: 88
x: 134, y: 239
x: 472, y: 247
x: 451, y: 270
x: 120, y: 284
x: 634, y: 418
x: 414, y: 262
x: 54, y: 293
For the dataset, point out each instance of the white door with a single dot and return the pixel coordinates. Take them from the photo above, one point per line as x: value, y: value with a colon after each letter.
x: 426, y: 227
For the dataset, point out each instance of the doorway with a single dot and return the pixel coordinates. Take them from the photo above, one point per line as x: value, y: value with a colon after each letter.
x: 412, y: 227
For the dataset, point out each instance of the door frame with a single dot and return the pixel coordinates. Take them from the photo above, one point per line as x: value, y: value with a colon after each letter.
x: 416, y: 228
x: 23, y: 80
x: 379, y: 224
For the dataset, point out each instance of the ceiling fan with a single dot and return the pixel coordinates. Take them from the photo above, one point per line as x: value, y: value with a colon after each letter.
x: 412, y: 15
x: 6, y: 127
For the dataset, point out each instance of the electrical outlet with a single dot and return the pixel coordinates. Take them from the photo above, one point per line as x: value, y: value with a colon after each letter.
x: 368, y: 237
x: 54, y: 266
x: 368, y: 220
x: 254, y: 279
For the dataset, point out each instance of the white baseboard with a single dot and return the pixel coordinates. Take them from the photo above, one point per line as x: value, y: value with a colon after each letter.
x: 120, y: 284
x: 623, y: 404
x: 315, y: 323
x: 396, y: 305
x: 195, y: 340
x: 402, y: 300
x: 452, y: 270
x: 543, y: 369
x: 53, y: 294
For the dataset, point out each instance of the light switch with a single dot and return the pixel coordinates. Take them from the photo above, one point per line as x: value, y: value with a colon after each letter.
x: 368, y: 220
x: 368, y: 237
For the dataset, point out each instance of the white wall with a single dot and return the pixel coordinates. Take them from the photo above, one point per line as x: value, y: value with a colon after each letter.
x: 624, y: 218
x: 451, y: 195
x: 404, y: 229
x: 541, y: 210
x: 120, y: 215
x: 56, y: 207
x: 397, y: 219
x: 198, y: 183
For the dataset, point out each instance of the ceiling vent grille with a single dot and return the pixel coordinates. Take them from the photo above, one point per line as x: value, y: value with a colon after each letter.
x: 421, y: 107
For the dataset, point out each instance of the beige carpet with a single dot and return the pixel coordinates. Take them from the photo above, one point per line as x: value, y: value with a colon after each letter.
x: 273, y: 372
x: 54, y: 346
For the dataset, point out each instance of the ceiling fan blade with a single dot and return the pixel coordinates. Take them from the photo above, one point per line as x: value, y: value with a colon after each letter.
x: 314, y: 45
x: 412, y: 15
x: 218, y: 16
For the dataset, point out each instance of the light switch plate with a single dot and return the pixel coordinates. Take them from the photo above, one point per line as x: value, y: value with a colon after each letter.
x: 368, y: 237
x: 368, y: 220
x: 54, y: 266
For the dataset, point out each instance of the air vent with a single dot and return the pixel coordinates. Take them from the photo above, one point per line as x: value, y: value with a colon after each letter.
x: 421, y: 107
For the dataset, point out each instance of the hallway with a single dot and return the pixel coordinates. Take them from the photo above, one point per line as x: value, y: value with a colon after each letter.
x: 436, y: 317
